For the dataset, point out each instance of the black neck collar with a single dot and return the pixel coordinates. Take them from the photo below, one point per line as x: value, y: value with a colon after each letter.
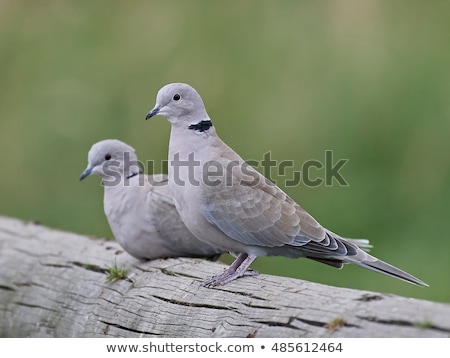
x: 201, y: 126
x: 133, y: 175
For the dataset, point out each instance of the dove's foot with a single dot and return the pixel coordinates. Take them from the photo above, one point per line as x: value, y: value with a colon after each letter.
x: 237, y: 269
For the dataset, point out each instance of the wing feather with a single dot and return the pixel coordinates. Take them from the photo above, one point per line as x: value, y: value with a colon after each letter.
x: 259, y: 214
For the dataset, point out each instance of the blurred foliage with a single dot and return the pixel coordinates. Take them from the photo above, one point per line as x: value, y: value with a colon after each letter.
x: 369, y: 80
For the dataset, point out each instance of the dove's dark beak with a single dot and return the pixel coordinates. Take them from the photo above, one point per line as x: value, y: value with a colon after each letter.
x: 85, y: 173
x: 152, y: 113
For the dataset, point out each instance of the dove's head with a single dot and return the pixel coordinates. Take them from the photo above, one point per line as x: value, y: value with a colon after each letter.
x: 111, y: 159
x: 180, y: 104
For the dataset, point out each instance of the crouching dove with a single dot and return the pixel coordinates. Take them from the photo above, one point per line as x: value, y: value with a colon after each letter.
x: 228, y: 204
x: 140, y: 208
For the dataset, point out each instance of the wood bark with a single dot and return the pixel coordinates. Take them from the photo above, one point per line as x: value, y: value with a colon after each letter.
x: 53, y: 284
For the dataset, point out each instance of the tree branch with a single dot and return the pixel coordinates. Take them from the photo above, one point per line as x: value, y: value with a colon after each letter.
x: 53, y: 284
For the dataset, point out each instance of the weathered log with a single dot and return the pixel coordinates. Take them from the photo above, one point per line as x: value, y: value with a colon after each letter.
x: 53, y: 284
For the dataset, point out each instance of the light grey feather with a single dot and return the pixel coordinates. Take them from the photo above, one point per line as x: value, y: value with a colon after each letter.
x: 240, y: 210
x: 140, y: 208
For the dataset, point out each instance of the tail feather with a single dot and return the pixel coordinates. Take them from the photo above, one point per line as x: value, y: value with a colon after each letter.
x: 387, y: 269
x: 331, y: 262
x: 363, y: 244
x: 363, y: 259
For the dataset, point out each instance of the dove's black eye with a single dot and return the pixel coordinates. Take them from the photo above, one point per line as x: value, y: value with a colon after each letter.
x: 176, y: 97
x: 107, y: 156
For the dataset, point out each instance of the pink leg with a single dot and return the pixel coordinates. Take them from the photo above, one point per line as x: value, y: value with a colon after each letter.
x: 237, y: 269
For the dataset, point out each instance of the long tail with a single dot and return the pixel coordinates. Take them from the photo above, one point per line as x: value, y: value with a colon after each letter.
x: 354, y: 251
x: 340, y: 251
x: 372, y: 263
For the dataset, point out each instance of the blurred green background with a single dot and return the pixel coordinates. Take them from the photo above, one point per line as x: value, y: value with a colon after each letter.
x: 369, y: 80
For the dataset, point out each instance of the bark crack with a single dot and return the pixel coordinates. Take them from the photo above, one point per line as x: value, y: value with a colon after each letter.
x: 191, y: 304
x: 89, y: 267
x: 246, y: 294
x: 287, y: 324
x: 369, y: 297
x: 398, y: 322
x: 262, y: 307
x: 35, y: 306
x: 109, y: 324
x: 168, y: 272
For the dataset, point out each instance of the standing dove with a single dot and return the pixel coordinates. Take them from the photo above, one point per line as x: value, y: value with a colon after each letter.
x: 226, y: 203
x: 140, y: 208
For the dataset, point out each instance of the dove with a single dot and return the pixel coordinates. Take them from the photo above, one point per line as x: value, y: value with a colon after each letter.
x: 228, y: 204
x: 139, y: 207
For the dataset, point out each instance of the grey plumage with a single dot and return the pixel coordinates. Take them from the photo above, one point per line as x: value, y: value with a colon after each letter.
x: 139, y: 207
x: 238, y: 209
